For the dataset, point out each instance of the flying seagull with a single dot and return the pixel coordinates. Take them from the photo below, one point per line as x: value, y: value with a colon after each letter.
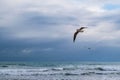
x: 77, y: 31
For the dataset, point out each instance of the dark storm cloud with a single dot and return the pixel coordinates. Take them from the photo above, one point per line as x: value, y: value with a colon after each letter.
x: 42, y: 30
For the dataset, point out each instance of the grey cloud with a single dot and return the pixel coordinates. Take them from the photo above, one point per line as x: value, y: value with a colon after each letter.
x: 35, y: 30
x: 49, y: 20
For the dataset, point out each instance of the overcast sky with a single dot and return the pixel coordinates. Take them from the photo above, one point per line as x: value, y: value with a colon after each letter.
x: 42, y: 30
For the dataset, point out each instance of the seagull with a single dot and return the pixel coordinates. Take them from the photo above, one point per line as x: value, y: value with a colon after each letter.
x: 77, y: 31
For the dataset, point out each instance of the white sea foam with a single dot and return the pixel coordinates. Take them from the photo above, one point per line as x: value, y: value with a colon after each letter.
x: 61, y: 72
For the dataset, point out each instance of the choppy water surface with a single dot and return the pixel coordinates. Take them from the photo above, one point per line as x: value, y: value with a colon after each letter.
x: 59, y: 71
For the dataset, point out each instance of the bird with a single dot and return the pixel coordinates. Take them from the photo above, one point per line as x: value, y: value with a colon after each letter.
x: 89, y: 48
x: 77, y: 31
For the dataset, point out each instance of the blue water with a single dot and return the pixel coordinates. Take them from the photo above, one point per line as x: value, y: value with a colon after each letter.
x: 59, y: 71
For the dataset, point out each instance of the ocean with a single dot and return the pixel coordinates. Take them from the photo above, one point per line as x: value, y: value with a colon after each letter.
x: 59, y: 71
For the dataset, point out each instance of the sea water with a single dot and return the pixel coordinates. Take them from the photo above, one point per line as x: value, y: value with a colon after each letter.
x: 59, y: 71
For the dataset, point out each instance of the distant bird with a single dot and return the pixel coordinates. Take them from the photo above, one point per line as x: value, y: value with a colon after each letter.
x: 77, y: 31
x: 89, y: 48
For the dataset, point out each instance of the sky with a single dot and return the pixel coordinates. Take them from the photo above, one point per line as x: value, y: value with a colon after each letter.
x: 42, y: 30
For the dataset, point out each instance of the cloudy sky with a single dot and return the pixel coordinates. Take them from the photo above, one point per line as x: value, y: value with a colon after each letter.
x: 42, y: 30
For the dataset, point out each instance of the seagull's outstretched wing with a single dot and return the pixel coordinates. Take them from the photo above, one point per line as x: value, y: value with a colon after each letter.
x: 77, y: 31
x: 75, y: 34
x: 82, y: 28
